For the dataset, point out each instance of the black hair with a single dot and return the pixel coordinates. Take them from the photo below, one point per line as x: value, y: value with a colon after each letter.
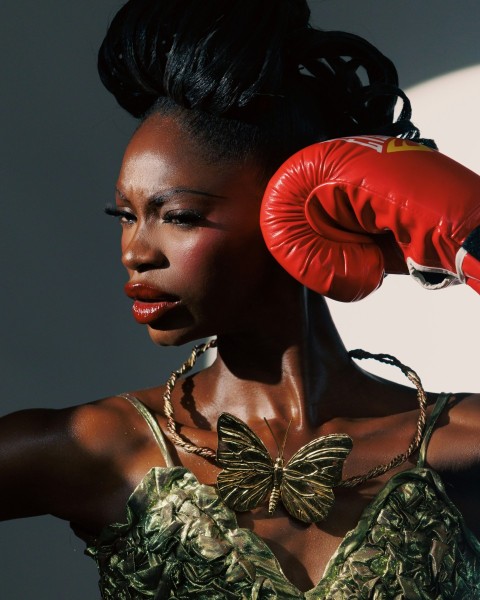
x: 249, y: 77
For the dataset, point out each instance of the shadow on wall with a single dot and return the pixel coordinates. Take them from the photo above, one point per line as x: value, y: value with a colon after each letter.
x: 424, y: 39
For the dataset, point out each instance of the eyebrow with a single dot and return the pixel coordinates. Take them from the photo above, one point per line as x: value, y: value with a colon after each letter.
x: 167, y: 195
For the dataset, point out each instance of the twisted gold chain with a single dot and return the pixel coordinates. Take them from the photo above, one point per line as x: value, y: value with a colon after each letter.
x: 206, y: 452
x: 419, y: 430
x: 187, y: 366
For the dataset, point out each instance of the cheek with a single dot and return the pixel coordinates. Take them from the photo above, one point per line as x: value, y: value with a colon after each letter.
x: 221, y: 264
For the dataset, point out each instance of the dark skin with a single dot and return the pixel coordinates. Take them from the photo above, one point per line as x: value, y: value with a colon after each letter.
x: 204, y: 246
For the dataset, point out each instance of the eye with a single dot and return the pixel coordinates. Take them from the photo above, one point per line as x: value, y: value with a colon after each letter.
x: 125, y: 217
x: 183, y: 218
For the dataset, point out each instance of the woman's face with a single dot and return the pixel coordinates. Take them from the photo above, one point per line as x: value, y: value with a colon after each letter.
x: 191, y: 241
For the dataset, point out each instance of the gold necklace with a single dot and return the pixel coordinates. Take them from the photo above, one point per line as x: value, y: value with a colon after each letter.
x: 304, y: 484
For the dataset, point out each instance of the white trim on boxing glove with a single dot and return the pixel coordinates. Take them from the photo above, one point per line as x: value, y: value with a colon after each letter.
x: 459, y: 262
x: 416, y: 271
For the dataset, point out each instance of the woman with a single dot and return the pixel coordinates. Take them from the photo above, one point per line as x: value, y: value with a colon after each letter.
x: 188, y: 198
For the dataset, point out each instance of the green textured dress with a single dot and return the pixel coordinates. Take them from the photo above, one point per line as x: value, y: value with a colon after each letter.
x: 181, y: 542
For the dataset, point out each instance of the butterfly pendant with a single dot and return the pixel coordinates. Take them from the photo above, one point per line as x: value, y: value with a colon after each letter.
x: 304, y: 484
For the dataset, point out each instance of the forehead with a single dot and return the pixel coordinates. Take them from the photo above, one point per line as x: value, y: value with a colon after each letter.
x: 158, y: 147
x: 161, y: 155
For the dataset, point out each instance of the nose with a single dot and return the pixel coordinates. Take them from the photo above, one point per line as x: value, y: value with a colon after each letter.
x: 141, y: 250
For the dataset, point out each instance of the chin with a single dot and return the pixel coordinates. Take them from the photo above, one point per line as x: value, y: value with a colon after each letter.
x: 176, y: 337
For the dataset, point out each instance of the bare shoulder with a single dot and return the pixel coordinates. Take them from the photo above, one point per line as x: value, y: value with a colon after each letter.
x: 454, y: 452
x: 455, y: 443
x: 64, y: 462
x: 108, y: 427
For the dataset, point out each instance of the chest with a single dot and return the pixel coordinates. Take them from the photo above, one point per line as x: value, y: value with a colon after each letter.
x: 182, y: 538
x: 304, y: 550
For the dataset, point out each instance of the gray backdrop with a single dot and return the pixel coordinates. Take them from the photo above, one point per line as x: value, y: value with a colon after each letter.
x: 67, y: 335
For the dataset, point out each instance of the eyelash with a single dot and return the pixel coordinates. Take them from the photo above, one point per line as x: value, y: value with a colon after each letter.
x: 181, y: 218
x: 123, y: 216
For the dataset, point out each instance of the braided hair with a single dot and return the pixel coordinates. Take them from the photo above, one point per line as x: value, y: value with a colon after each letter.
x: 250, y: 78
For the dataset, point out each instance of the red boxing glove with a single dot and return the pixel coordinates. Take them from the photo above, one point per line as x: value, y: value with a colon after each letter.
x: 340, y: 214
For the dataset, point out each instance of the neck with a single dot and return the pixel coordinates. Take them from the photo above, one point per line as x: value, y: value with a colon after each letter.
x: 291, y: 367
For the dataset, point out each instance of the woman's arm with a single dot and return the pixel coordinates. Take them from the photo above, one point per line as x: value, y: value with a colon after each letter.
x: 68, y: 462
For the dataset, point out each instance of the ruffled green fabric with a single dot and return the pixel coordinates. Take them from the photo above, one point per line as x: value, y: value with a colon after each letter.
x: 411, y: 543
x: 180, y: 541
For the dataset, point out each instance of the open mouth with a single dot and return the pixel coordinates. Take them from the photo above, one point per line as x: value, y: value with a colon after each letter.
x: 147, y: 293
x: 146, y: 312
x: 145, y: 298
x: 150, y: 303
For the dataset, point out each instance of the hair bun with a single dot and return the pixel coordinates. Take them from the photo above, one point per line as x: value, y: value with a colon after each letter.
x: 216, y: 55
x: 258, y: 61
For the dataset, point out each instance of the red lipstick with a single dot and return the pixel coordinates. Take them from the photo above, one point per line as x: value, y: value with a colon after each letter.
x: 150, y: 303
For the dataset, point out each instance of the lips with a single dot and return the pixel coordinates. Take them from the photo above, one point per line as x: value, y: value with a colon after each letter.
x: 150, y: 303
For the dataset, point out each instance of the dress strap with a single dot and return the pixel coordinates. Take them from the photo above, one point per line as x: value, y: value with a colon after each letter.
x: 430, y: 425
x: 152, y: 423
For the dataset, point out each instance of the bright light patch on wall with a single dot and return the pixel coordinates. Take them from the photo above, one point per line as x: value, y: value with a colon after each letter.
x: 435, y: 332
x: 447, y: 109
